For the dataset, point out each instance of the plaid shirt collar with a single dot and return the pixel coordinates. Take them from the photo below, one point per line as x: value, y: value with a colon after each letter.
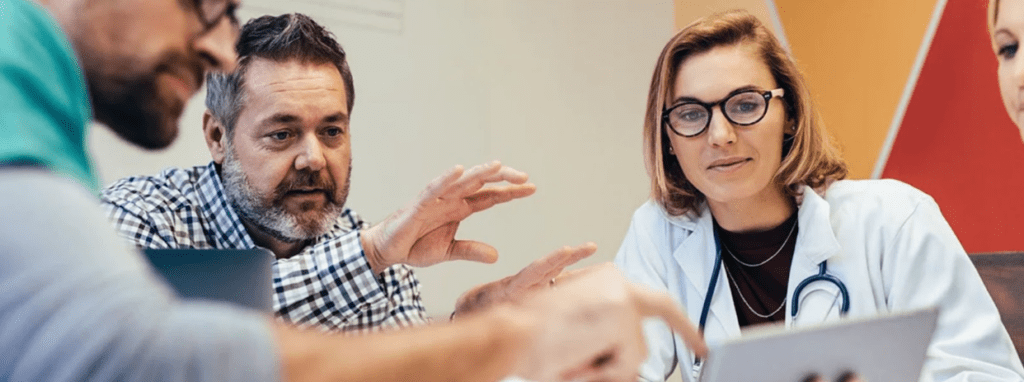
x: 230, y: 231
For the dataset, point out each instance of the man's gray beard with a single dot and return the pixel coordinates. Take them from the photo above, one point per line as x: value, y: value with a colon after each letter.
x: 267, y: 217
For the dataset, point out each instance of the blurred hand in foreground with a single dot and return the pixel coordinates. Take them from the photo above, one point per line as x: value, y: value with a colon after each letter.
x: 539, y: 274
x: 589, y: 327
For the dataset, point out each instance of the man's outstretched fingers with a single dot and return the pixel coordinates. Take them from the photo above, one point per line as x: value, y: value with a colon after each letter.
x: 473, y: 178
x: 508, y: 174
x: 488, y: 197
x: 442, y: 184
x: 568, y: 256
x: 478, y: 177
x: 651, y: 303
x: 472, y: 251
x: 580, y: 273
x: 551, y: 265
x: 578, y: 253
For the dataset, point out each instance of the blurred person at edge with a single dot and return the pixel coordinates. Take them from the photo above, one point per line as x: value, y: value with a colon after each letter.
x: 278, y: 130
x: 78, y: 304
x: 743, y: 170
x: 1006, y: 26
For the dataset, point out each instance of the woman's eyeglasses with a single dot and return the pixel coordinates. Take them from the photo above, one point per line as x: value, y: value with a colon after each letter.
x: 691, y: 118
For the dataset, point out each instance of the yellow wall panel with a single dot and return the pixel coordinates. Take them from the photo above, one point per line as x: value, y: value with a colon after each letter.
x: 857, y: 56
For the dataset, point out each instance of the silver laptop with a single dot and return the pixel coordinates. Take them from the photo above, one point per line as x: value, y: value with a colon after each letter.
x: 883, y: 348
x: 240, y: 277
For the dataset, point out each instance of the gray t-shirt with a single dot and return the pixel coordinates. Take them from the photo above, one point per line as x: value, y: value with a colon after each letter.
x: 76, y: 303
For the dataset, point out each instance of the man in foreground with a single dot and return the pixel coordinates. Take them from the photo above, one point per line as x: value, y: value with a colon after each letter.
x: 75, y: 304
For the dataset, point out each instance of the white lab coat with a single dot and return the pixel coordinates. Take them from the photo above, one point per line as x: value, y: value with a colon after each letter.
x: 886, y: 240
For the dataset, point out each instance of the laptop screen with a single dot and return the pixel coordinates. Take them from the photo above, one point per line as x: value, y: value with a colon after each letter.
x: 240, y: 277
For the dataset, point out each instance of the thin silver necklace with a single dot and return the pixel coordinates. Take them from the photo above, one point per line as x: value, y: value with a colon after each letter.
x: 734, y: 257
x: 744, y: 299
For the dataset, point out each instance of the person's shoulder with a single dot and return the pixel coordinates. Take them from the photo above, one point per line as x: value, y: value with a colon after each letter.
x: 649, y: 211
x: 31, y: 22
x: 653, y: 213
x: 885, y: 196
x: 172, y: 188
x: 58, y: 201
x: 36, y: 51
x: 41, y: 184
x: 652, y: 222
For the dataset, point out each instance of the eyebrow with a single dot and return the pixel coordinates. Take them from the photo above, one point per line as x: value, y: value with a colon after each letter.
x: 1003, y: 30
x: 738, y: 90
x: 280, y: 119
x: 286, y: 119
x: 338, y: 117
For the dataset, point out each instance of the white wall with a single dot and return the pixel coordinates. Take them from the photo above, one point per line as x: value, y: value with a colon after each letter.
x: 554, y: 88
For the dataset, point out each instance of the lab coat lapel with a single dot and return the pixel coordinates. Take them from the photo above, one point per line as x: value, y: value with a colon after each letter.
x: 815, y: 243
x: 696, y: 255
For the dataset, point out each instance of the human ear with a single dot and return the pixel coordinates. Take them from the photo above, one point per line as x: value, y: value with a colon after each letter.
x: 214, y: 133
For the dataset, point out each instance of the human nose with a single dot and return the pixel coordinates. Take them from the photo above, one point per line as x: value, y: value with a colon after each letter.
x: 720, y: 130
x: 312, y: 156
x: 217, y: 46
x: 1018, y: 73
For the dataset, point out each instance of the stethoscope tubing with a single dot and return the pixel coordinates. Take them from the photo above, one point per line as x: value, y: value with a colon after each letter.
x: 821, y: 276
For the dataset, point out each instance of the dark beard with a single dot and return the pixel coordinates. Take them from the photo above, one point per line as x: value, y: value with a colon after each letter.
x: 135, y: 114
x: 134, y: 108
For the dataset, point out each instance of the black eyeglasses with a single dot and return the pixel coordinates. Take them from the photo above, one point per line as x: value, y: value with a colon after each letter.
x: 743, y: 108
x: 210, y: 12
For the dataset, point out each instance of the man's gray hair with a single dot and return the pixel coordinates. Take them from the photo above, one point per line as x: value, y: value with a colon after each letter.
x: 278, y: 38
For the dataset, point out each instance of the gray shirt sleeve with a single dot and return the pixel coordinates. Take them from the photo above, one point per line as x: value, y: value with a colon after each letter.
x: 76, y: 303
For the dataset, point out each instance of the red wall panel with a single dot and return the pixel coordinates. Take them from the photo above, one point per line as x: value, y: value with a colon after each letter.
x: 956, y: 142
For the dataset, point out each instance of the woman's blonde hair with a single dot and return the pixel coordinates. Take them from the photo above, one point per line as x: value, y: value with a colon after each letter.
x: 810, y: 158
x: 993, y: 13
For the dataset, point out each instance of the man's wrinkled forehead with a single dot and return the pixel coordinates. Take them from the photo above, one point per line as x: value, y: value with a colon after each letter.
x: 302, y: 92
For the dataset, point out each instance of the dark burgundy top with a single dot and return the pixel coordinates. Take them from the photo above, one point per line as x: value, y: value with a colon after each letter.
x: 764, y: 286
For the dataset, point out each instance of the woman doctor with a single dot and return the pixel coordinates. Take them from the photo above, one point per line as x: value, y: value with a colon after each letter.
x: 742, y: 170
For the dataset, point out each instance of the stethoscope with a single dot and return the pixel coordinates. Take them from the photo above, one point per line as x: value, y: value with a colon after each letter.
x: 821, y: 276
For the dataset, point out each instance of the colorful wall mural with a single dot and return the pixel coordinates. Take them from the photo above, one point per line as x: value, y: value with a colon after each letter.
x: 908, y: 89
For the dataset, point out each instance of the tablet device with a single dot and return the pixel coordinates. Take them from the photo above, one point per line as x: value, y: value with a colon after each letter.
x: 241, y: 277
x: 881, y: 348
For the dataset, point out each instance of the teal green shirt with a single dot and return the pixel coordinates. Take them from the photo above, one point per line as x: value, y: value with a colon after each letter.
x: 44, y: 106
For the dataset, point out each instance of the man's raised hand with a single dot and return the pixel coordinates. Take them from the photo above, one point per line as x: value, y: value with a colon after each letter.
x: 423, y: 234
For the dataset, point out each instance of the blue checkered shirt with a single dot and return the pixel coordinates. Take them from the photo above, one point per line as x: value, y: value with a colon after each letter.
x: 329, y: 285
